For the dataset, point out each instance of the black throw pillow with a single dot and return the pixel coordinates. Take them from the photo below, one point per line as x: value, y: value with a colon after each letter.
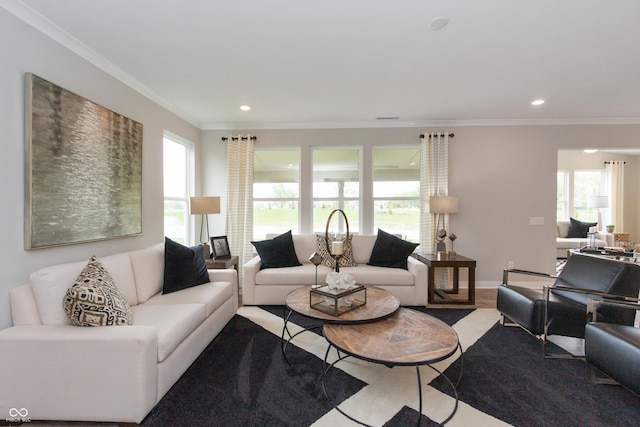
x: 277, y: 252
x: 578, y: 228
x: 184, y: 267
x: 391, y: 251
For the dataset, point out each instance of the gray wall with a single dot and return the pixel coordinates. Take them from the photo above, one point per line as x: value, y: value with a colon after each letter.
x: 22, y: 50
x: 503, y: 176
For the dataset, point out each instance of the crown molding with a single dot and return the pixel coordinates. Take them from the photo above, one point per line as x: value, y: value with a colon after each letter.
x: 421, y: 124
x: 49, y: 29
x: 54, y: 32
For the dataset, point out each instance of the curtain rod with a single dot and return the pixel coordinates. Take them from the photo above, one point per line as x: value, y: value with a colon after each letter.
x: 243, y: 138
x: 450, y: 135
x: 611, y: 161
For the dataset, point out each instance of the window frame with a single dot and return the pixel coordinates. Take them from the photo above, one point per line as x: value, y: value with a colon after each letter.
x: 189, y: 183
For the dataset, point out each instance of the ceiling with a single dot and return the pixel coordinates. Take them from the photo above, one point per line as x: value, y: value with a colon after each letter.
x: 346, y: 63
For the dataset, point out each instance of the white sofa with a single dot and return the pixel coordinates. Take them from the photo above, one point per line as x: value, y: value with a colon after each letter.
x: 271, y: 285
x: 563, y: 243
x: 57, y: 371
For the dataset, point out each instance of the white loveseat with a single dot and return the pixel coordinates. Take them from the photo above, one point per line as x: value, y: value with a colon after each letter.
x: 564, y: 243
x: 57, y: 371
x: 271, y: 285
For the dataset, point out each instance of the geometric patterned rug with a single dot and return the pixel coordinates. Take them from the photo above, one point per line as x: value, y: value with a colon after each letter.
x: 241, y: 379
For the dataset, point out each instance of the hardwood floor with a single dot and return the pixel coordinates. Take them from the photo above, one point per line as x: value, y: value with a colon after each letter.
x: 485, y: 298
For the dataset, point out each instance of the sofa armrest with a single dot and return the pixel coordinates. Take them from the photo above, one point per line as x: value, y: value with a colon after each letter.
x: 628, y: 303
x: 226, y: 275
x: 54, y: 372
x: 507, y: 271
x: 249, y: 271
x: 607, y: 237
x: 565, y: 288
x: 420, y: 272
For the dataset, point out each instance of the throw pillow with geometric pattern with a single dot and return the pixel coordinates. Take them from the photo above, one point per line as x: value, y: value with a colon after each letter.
x: 95, y: 300
x: 347, y: 257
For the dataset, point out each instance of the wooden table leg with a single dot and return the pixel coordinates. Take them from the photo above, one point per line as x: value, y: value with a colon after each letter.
x: 472, y: 286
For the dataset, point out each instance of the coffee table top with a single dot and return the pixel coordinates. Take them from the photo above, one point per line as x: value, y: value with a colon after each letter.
x: 408, y: 337
x: 380, y: 304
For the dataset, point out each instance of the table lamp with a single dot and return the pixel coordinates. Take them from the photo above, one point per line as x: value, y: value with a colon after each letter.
x: 204, y: 206
x: 442, y: 205
x: 599, y: 202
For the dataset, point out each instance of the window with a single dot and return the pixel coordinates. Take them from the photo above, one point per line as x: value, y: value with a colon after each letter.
x: 396, y: 191
x: 178, y: 183
x: 336, y: 185
x: 575, y: 190
x: 276, y: 191
x: 562, y: 206
x: 586, y: 183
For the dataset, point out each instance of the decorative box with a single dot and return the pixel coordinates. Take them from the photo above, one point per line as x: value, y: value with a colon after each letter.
x: 337, y: 301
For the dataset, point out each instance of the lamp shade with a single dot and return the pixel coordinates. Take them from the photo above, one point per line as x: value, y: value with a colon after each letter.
x: 204, y: 205
x: 599, y: 201
x: 443, y: 204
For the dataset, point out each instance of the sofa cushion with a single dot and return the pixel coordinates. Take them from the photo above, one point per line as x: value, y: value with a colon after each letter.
x: 277, y: 252
x: 212, y: 295
x: 184, y: 267
x: 563, y: 229
x: 49, y: 287
x: 301, y: 275
x: 305, y: 245
x: 380, y: 276
x: 50, y: 284
x: 579, y: 229
x: 148, y: 270
x: 327, y: 260
x: 94, y: 299
x: 362, y: 245
x: 174, y: 323
x: 391, y: 251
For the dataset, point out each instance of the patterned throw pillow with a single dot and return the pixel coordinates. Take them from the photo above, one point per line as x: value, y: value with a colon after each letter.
x: 347, y: 256
x: 95, y: 300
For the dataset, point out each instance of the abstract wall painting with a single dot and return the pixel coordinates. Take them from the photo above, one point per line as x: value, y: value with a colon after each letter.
x: 83, y: 171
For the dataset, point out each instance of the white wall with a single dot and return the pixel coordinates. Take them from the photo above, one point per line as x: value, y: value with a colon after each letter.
x: 22, y: 50
x: 503, y: 176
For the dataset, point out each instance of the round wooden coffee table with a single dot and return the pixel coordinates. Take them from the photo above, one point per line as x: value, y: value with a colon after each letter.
x: 407, y: 338
x: 380, y: 304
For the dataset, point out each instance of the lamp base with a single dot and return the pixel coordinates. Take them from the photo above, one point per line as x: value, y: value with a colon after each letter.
x: 439, y: 247
x: 206, y: 250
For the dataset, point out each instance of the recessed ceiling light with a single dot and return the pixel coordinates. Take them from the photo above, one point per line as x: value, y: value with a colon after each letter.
x: 537, y: 102
x: 245, y: 107
x: 438, y: 23
x: 590, y: 151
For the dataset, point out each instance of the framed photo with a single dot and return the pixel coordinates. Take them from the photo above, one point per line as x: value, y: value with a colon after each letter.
x: 220, y: 246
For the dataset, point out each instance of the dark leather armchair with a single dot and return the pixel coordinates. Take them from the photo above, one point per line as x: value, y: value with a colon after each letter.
x: 613, y: 349
x: 561, y: 309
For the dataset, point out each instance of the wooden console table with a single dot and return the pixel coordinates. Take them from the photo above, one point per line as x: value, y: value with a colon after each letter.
x: 456, y: 262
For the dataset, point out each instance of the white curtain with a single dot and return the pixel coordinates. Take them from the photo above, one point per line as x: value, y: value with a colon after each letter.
x: 239, y: 227
x: 615, y: 182
x: 434, y: 179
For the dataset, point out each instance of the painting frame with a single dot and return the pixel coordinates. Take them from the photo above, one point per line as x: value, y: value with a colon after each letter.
x: 83, y: 169
x: 220, y: 248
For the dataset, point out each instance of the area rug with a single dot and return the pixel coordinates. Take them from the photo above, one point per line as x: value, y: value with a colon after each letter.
x: 241, y: 379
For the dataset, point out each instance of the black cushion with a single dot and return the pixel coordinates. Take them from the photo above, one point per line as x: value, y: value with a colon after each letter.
x: 184, y: 266
x: 277, y: 252
x: 391, y: 251
x: 615, y: 350
x: 579, y: 229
